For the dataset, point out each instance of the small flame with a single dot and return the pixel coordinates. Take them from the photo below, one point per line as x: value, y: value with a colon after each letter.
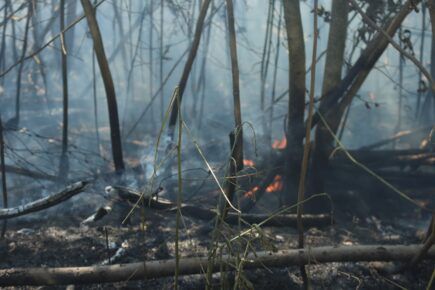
x: 280, y: 144
x: 248, y: 163
x: 276, y: 185
x: 251, y: 193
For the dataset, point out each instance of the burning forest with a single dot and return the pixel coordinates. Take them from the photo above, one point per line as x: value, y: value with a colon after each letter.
x: 217, y: 144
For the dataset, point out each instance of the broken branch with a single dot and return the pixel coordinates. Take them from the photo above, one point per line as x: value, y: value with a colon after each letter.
x: 44, y: 202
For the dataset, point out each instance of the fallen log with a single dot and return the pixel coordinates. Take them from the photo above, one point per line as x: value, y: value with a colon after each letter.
x: 397, y: 136
x: 188, y: 266
x: 387, y: 158
x: 198, y: 212
x: 43, y: 203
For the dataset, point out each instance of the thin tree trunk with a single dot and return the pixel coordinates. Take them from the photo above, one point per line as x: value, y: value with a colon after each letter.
x: 3, y: 174
x: 188, y: 66
x: 428, y: 109
x: 162, y: 92
x: 203, y: 78
x: 236, y: 137
x: 275, y: 73
x: 306, y: 154
x: 3, y: 40
x: 130, y: 75
x: 16, y: 119
x: 95, y: 98
x: 64, y: 166
x: 108, y: 85
x: 421, y: 57
x: 265, y: 58
x: 399, y: 107
x: 296, y: 107
x: 150, y: 56
x: 71, y: 15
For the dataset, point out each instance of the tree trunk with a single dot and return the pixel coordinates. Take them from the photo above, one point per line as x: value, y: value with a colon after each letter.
x: 188, y: 66
x: 428, y: 109
x: 338, y: 98
x: 296, y: 108
x: 332, y: 77
x: 108, y: 85
x: 64, y: 162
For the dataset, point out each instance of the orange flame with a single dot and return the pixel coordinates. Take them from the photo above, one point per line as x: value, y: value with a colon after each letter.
x: 280, y: 144
x: 249, y: 163
x: 252, y: 192
x: 276, y: 185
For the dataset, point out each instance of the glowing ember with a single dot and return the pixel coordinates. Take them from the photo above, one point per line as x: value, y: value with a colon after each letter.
x: 280, y: 144
x: 276, y: 185
x: 249, y: 163
x: 252, y: 192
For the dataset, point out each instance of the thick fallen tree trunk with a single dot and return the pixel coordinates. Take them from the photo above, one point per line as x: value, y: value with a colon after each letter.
x: 166, y: 268
x: 43, y: 203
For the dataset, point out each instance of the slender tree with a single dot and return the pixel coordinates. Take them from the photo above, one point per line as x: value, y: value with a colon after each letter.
x: 108, y: 85
x: 188, y: 66
x: 161, y: 52
x: 296, y: 107
x: 63, y: 167
x: 3, y: 176
x: 428, y: 109
x: 236, y: 137
x: 14, y: 122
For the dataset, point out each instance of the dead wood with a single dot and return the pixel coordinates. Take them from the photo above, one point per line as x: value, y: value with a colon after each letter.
x: 397, y: 136
x: 198, y: 212
x: 165, y: 268
x: 44, y: 202
x: 387, y: 158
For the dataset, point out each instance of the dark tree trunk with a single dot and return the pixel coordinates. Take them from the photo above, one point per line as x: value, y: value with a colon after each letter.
x: 332, y: 77
x: 108, y: 85
x: 188, y: 65
x: 295, y: 123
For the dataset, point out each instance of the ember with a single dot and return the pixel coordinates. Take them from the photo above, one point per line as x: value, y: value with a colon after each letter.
x: 280, y: 144
x: 252, y: 192
x: 249, y: 163
x: 276, y: 185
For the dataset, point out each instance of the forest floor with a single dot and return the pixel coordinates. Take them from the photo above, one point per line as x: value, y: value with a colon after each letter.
x: 56, y: 237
